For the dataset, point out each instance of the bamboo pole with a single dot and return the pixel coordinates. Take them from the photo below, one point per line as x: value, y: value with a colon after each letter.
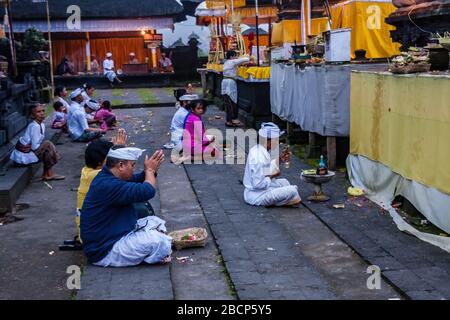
x: 257, y: 31
x: 52, y: 78
x: 303, y: 26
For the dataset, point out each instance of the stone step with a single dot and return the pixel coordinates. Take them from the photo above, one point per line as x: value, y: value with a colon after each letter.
x: 13, y: 183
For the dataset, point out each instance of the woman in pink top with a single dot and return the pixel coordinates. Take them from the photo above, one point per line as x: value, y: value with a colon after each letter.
x: 105, y: 115
x: 195, y: 143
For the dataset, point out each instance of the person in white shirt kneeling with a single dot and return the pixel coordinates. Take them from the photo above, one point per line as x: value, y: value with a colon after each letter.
x: 262, y: 188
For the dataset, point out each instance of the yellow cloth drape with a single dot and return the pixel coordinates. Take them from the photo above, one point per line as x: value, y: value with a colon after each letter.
x: 369, y: 30
x: 260, y: 73
x: 250, y: 12
x: 214, y: 67
x: 404, y: 123
x: 213, y: 4
x: 289, y: 31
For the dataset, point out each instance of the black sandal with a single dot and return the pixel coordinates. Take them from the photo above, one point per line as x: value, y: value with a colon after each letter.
x: 230, y: 125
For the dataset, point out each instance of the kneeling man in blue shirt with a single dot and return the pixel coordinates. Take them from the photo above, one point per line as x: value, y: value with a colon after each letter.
x: 111, y: 232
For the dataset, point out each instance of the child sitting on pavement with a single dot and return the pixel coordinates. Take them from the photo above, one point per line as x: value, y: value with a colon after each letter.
x: 105, y: 116
x: 59, y: 117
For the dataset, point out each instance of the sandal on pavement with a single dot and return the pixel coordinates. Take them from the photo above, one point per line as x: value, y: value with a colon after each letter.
x: 55, y: 177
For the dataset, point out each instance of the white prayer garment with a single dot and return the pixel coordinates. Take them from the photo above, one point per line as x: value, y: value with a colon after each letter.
x: 260, y: 189
x: 229, y: 86
x: 34, y: 135
x: 177, y: 126
x: 144, y: 244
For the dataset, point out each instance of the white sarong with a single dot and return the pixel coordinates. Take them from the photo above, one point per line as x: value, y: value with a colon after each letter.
x: 111, y: 75
x: 279, y: 193
x: 144, y: 244
x: 229, y: 87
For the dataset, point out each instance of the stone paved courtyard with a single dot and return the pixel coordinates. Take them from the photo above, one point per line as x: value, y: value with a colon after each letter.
x: 311, y: 252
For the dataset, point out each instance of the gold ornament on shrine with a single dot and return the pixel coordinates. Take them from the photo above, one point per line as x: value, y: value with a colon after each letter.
x: 237, y: 42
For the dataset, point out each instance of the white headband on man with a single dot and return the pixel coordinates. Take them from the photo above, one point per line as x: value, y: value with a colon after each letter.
x: 92, y: 104
x: 130, y: 153
x: 270, y: 130
x: 189, y: 97
x: 75, y: 93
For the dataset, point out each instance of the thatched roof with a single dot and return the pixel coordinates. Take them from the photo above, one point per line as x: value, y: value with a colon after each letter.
x: 99, y: 9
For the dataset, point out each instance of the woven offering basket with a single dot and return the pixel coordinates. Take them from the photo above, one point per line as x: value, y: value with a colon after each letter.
x: 200, y: 234
x: 411, y: 68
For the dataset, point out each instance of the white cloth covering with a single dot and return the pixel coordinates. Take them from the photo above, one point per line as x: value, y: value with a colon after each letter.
x: 144, y: 244
x: 229, y: 86
x: 382, y: 185
x: 261, y: 190
x: 316, y: 98
x: 34, y: 134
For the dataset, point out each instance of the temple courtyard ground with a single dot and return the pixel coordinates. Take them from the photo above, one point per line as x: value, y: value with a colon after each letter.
x: 311, y: 252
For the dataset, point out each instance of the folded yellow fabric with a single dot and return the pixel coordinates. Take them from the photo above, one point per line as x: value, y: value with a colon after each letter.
x: 260, y: 73
x: 356, y: 192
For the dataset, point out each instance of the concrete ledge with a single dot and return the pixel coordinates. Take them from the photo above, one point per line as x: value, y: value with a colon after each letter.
x: 129, y: 81
x: 13, y: 183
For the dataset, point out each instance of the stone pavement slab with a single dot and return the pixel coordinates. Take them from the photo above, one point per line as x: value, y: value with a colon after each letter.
x: 31, y: 266
x: 200, y: 279
x: 280, y: 253
x: 142, y: 282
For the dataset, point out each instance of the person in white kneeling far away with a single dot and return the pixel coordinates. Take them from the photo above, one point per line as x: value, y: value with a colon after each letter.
x: 261, y: 186
x: 112, y: 234
x: 109, y: 69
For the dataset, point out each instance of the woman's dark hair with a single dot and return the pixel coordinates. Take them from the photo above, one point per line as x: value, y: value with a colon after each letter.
x: 202, y: 102
x: 58, y: 91
x: 96, y: 153
x: 178, y: 93
x: 57, y: 105
x: 106, y: 105
x: 87, y: 86
x: 231, y: 54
